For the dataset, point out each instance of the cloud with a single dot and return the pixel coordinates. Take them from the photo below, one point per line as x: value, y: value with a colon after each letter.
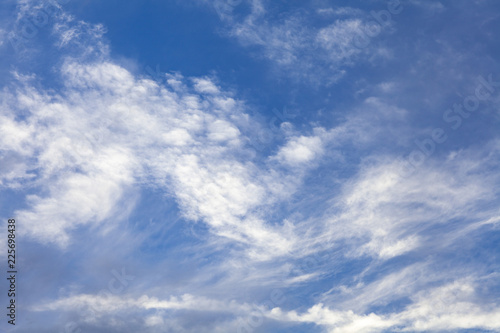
x: 106, y: 131
x: 342, y: 39
x: 443, y: 308
x: 300, y: 150
x: 107, y: 128
x: 448, y: 307
x: 327, y: 216
x: 396, y: 210
x: 205, y: 86
x: 317, y: 54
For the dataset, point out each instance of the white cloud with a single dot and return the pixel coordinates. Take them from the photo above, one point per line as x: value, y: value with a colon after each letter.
x: 394, y: 210
x: 398, y: 248
x: 343, y: 39
x: 77, y: 199
x: 221, y: 130
x: 300, y: 150
x: 205, y: 86
x: 108, y: 130
x: 448, y: 307
x: 280, y: 43
x: 318, y: 54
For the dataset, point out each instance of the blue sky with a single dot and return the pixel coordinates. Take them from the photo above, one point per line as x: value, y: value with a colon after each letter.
x: 252, y: 165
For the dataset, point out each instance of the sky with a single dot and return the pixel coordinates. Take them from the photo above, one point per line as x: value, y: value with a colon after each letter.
x: 251, y: 165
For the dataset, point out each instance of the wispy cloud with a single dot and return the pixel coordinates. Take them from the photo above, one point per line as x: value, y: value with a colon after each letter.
x: 305, y: 52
